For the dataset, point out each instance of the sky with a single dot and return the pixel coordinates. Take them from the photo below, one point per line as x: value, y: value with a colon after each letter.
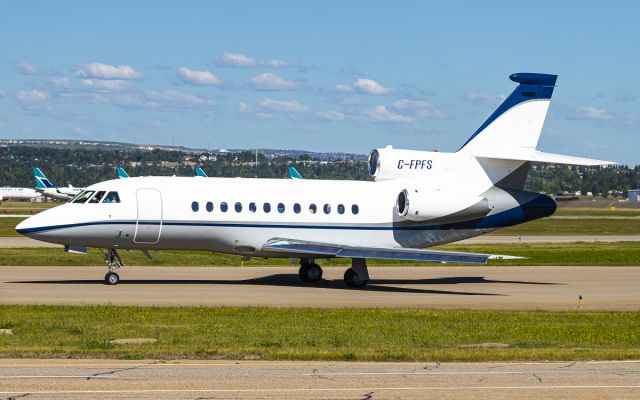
x: 317, y: 75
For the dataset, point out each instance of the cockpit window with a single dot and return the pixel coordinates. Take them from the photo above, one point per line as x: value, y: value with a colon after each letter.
x: 98, y: 196
x: 112, y: 197
x: 84, y: 196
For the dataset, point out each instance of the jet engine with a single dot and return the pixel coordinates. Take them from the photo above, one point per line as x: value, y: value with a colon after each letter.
x: 390, y: 163
x: 427, y: 204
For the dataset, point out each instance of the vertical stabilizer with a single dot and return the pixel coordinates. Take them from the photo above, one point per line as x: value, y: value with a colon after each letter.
x: 516, y: 125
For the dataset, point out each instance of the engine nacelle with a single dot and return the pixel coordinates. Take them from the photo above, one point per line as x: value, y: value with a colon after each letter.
x: 427, y: 204
x: 390, y: 163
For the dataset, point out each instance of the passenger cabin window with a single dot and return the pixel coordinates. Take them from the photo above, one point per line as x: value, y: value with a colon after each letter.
x: 280, y: 208
x: 224, y: 207
x: 252, y: 207
x: 266, y: 207
x: 99, y: 195
x: 238, y: 207
x: 355, y: 209
x: 209, y: 206
x: 194, y: 206
x: 297, y: 208
x: 111, y: 197
x: 327, y: 208
x: 313, y: 208
x: 84, y: 196
x: 340, y: 209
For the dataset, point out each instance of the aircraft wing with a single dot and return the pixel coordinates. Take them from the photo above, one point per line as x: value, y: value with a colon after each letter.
x: 319, y: 250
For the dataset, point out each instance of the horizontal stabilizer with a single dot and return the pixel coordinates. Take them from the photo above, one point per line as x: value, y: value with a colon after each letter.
x: 319, y: 250
x: 539, y: 156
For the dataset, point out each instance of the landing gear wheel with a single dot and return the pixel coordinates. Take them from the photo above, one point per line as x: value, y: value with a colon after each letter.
x: 310, y: 272
x: 111, y: 278
x: 352, y: 280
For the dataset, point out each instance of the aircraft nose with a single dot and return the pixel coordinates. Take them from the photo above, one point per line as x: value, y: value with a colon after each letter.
x: 27, y: 227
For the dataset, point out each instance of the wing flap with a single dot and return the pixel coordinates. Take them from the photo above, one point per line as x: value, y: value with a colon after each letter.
x: 298, y: 247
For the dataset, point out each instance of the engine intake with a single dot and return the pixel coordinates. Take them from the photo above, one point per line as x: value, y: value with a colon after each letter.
x: 428, y: 204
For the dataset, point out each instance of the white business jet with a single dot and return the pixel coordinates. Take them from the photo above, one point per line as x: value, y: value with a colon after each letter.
x: 418, y: 199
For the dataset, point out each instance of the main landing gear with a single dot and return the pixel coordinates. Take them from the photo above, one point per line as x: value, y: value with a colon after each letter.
x: 355, y: 277
x: 358, y: 275
x: 309, y: 271
x: 113, y: 261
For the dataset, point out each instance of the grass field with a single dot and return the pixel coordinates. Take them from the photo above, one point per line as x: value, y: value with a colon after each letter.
x: 325, y: 334
x: 8, y: 226
x: 603, y: 254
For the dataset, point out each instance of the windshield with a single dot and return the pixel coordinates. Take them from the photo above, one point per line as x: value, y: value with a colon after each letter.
x: 84, y: 196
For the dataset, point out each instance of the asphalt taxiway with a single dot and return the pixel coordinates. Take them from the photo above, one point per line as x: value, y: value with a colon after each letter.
x: 89, y: 379
x: 445, y: 287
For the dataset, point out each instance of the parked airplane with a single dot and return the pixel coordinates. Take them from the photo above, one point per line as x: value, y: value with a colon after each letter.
x: 48, y: 189
x: 293, y: 173
x: 418, y: 199
x: 201, y: 173
x: 122, y: 173
x: 18, y: 193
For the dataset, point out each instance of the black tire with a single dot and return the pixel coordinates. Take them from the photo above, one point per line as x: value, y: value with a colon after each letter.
x: 111, y: 278
x: 352, y: 280
x: 310, y: 273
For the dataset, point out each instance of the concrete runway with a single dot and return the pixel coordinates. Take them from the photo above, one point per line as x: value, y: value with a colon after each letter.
x: 445, y: 287
x: 89, y: 379
x: 20, y: 241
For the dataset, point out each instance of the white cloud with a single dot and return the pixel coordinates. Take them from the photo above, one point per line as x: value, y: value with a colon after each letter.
x: 422, y: 108
x: 484, y: 99
x: 193, y: 77
x: 33, y: 96
x: 106, y: 71
x: 270, y: 81
x: 2, y: 93
x: 244, y: 61
x: 105, y: 85
x: 168, y: 100
x: 341, y: 87
x: 289, y: 106
x: 26, y: 68
x: 244, y: 107
x: 369, y: 86
x: 594, y: 113
x: 331, y: 115
x: 381, y: 114
x: 62, y: 83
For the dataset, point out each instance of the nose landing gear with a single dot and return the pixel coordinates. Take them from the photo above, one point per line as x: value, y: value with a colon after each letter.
x: 113, y: 261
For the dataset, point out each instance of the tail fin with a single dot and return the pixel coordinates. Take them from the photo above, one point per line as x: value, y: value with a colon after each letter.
x: 200, y: 172
x: 122, y: 173
x: 517, y: 123
x: 41, y: 181
x: 294, y: 174
x: 513, y: 130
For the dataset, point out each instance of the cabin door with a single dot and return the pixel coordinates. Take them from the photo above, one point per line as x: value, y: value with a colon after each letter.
x: 149, y: 222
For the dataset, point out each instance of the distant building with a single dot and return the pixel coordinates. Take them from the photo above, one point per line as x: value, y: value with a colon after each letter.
x: 633, y: 194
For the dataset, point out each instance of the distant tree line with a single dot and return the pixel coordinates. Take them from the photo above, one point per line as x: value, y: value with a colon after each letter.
x: 82, y: 167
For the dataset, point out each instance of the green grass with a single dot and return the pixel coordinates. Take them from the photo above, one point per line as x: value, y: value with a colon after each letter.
x: 8, y: 226
x: 596, y: 212
x: 604, y: 254
x: 550, y: 226
x: 317, y: 334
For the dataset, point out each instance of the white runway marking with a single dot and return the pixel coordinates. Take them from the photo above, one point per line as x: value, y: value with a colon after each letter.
x: 268, y: 390
x: 418, y: 373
